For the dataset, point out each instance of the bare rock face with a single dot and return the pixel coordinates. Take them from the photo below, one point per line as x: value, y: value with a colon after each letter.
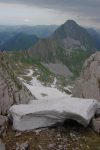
x: 88, y: 85
x: 11, y: 89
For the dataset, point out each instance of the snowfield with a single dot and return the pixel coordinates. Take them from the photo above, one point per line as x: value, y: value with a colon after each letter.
x: 52, y: 106
x: 42, y: 92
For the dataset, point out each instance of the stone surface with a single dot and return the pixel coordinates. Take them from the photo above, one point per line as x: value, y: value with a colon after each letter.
x: 3, y: 120
x: 12, y: 91
x: 59, y: 69
x: 3, y: 125
x: 46, y: 113
x: 88, y: 85
x: 96, y: 124
x: 23, y: 146
x: 2, y: 145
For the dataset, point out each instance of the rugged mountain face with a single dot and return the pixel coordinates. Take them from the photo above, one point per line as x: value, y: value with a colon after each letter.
x: 41, y: 31
x: 11, y: 90
x: 88, y: 85
x: 73, y: 36
x: 70, y: 45
x: 70, y: 36
x: 20, y: 41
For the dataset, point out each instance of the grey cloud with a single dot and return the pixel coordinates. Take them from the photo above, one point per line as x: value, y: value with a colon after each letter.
x: 60, y: 4
x: 80, y: 6
x: 83, y: 8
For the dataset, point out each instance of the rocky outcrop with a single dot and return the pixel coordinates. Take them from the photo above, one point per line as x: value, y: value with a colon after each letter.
x: 2, y: 145
x: 44, y: 113
x: 11, y: 89
x: 88, y: 85
x: 96, y: 124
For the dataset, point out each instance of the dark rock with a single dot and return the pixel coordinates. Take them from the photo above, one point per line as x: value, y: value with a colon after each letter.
x: 3, y: 125
x: 23, y: 146
x: 3, y: 120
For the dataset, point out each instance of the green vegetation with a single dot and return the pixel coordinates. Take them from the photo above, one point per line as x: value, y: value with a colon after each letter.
x: 20, y: 61
x: 75, y: 60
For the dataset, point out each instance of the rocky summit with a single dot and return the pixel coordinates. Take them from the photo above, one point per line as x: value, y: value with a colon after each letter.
x: 88, y: 85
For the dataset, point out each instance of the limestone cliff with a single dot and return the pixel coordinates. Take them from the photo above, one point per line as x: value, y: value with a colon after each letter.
x: 11, y: 89
x: 88, y: 85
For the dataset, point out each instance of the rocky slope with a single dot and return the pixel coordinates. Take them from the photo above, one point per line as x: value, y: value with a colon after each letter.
x: 88, y: 85
x: 11, y: 90
x: 72, y: 35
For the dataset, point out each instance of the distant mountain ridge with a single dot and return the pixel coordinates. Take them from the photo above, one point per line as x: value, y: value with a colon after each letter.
x: 41, y: 31
x: 95, y: 37
x: 20, y: 41
x: 74, y: 33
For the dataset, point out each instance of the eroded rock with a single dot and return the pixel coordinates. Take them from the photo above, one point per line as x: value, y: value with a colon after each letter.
x: 88, y: 85
x: 12, y: 91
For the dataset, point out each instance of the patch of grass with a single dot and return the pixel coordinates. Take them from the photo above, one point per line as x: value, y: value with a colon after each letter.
x: 73, y: 59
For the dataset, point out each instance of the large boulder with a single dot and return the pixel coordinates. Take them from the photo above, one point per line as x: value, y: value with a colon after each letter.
x: 88, y: 85
x: 44, y: 113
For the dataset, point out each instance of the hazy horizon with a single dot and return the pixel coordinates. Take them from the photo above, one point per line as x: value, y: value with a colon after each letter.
x: 49, y: 12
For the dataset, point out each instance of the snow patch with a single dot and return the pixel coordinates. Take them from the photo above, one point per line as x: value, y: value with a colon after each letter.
x: 38, y: 89
x: 46, y: 113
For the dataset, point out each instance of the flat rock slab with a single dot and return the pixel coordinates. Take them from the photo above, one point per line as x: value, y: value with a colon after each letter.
x: 45, y: 113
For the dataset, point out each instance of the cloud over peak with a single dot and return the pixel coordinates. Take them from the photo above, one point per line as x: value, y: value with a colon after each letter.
x: 85, y: 11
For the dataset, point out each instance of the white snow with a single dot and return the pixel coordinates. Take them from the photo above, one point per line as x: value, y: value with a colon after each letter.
x: 39, y: 90
x: 51, y: 107
x: 30, y: 72
x: 45, y: 113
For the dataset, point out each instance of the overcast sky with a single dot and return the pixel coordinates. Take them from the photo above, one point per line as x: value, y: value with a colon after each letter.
x: 40, y: 12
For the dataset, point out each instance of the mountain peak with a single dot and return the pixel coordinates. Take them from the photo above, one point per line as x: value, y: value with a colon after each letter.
x: 71, y: 30
x: 70, y: 22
